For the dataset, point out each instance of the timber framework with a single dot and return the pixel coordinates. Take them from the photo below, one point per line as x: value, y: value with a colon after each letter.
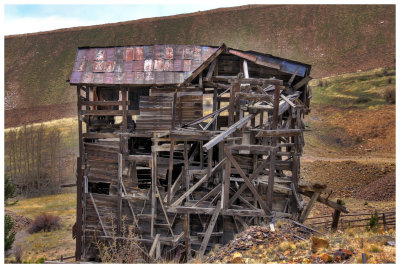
x: 188, y: 144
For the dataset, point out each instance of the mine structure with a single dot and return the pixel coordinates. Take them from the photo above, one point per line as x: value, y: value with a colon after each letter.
x: 189, y: 144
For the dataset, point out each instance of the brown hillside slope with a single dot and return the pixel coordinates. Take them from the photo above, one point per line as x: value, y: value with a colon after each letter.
x: 334, y: 39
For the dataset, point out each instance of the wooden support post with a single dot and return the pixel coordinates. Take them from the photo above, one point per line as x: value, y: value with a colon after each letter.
x: 226, y: 184
x: 154, y: 246
x: 210, y: 228
x: 187, y: 236
x: 174, y: 110
x: 79, y: 103
x: 384, y: 221
x: 215, y: 107
x: 310, y: 204
x: 153, y: 191
x: 170, y: 169
x: 119, y: 204
x: 270, y: 191
x: 78, y: 224
x: 336, y: 216
x: 186, y: 168
x: 135, y: 181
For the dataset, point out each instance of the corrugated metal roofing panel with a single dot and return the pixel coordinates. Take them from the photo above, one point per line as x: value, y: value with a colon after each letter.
x: 161, y: 64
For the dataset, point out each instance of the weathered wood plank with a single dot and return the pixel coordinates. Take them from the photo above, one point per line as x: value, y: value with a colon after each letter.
x: 210, y: 228
x: 239, y: 124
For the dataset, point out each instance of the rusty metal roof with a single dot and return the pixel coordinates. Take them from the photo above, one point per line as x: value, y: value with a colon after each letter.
x: 138, y: 65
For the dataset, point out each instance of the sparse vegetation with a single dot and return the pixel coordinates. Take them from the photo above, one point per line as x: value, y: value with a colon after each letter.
x: 125, y: 250
x: 45, y: 222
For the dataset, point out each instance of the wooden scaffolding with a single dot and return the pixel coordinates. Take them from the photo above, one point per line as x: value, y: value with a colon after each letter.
x: 151, y: 157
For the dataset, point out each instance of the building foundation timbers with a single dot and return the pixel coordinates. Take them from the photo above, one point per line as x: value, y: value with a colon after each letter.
x: 186, y: 179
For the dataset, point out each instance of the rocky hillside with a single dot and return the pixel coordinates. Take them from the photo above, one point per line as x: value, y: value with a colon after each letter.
x: 334, y: 39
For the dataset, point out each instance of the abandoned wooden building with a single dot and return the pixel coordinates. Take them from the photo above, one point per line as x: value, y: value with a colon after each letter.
x: 189, y: 144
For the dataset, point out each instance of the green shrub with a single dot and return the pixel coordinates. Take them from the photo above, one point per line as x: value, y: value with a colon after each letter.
x: 9, y: 236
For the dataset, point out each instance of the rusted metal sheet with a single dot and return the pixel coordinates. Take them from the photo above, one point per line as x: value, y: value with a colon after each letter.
x: 197, y: 53
x: 138, y: 66
x: 169, y: 52
x: 168, y: 77
x: 148, y: 65
x: 138, y: 77
x: 119, y: 78
x: 119, y: 54
x: 98, y: 78
x: 89, y: 67
x: 178, y: 77
x: 186, y: 65
x: 108, y: 78
x: 159, y: 52
x: 148, y: 77
x: 159, y: 77
x: 168, y: 65
x: 129, y: 54
x: 76, y: 77
x: 128, y: 66
x: 161, y: 64
x: 178, y: 52
x: 188, y: 52
x: 110, y: 53
x: 139, y: 53
x: 90, y: 54
x: 128, y: 78
x: 100, y: 54
x: 109, y: 66
x: 98, y: 66
x: 87, y: 78
x: 119, y: 67
x: 79, y: 66
x: 195, y: 64
x: 148, y: 52
x: 178, y: 65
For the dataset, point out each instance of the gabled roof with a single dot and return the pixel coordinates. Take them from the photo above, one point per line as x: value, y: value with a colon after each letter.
x: 162, y: 64
x: 153, y: 64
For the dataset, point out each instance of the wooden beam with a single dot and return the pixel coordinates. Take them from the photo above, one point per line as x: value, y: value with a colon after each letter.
x: 270, y: 190
x: 208, y: 195
x: 154, y: 245
x: 170, y: 169
x: 253, y: 97
x: 210, y: 228
x: 326, y: 202
x: 98, y: 215
x: 310, y: 204
x: 259, y: 169
x: 277, y: 132
x: 247, y: 182
x: 194, y: 187
x: 204, y: 65
x: 302, y: 82
x: 119, y: 202
x: 211, y: 70
x: 239, y: 124
x: 226, y: 184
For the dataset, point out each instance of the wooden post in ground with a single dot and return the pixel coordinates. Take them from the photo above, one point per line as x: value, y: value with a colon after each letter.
x: 310, y: 204
x: 119, y: 204
x: 78, y: 246
x: 336, y: 216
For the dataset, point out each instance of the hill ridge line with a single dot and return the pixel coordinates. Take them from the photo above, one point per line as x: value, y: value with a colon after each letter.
x: 143, y: 20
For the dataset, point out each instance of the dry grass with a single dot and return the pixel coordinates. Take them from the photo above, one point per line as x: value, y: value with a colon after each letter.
x: 50, y: 245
